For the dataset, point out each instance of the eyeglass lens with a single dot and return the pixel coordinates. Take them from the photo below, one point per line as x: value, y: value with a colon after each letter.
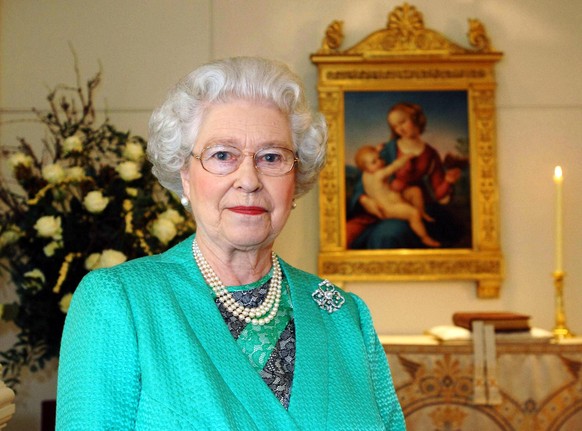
x: 225, y: 159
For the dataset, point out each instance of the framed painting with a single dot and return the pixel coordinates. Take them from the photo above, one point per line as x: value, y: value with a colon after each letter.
x: 409, y: 191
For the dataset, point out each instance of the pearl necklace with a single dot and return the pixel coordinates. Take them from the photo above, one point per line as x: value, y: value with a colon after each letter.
x: 260, y: 315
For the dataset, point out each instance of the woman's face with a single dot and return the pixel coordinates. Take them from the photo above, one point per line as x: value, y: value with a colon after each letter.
x: 242, y: 210
x: 401, y: 123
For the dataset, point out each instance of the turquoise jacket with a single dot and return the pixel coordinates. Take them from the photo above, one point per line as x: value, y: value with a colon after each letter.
x: 145, y: 347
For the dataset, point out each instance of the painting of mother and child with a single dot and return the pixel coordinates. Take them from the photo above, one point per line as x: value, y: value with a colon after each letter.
x: 412, y: 188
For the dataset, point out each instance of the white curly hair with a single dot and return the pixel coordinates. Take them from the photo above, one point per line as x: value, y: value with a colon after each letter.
x: 174, y: 126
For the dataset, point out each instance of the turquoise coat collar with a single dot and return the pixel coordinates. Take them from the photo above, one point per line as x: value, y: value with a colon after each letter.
x: 311, y: 365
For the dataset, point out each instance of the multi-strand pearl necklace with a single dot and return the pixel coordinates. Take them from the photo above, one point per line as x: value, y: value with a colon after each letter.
x: 259, y: 315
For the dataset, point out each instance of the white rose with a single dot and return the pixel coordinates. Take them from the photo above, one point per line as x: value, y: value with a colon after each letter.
x: 73, y: 144
x: 104, y: 260
x: 49, y: 227
x: 76, y: 173
x: 128, y: 171
x: 65, y: 302
x: 95, y: 202
x: 20, y: 159
x: 92, y: 261
x: 172, y: 215
x: 111, y: 258
x: 53, y: 173
x: 133, y: 151
x: 164, y: 230
x: 49, y: 249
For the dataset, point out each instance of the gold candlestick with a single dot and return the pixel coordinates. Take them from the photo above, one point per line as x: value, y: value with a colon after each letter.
x: 560, y: 331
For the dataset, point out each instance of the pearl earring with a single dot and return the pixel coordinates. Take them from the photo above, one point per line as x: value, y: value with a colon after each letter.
x: 293, y: 204
x: 184, y: 201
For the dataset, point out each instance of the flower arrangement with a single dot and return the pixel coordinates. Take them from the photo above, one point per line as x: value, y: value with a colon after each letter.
x: 86, y: 199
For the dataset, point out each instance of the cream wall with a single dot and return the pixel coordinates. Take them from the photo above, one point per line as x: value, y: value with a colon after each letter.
x: 144, y: 47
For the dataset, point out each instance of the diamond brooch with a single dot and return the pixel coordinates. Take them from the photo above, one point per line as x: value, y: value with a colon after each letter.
x: 327, y: 297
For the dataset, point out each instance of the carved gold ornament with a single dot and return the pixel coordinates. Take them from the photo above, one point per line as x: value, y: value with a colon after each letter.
x: 406, y: 56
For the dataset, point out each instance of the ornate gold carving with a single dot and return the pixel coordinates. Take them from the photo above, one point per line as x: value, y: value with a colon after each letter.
x: 406, y: 56
x: 333, y: 39
x: 405, y: 74
x: 478, y: 36
x: 371, y: 269
x: 484, y: 103
x: 488, y: 289
x: 405, y: 20
x: 405, y: 33
x: 329, y: 102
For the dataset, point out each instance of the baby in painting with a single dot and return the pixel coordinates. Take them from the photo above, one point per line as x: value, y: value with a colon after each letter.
x: 380, y: 200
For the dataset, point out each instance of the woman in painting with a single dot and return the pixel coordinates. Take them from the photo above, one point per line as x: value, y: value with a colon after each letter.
x: 423, y: 170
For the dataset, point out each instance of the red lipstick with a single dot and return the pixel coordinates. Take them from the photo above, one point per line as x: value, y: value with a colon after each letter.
x: 248, y: 210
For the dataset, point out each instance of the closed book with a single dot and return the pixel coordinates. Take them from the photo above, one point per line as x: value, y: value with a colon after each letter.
x: 502, y: 321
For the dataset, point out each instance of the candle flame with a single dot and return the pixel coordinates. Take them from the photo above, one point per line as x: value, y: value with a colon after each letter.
x: 558, y: 173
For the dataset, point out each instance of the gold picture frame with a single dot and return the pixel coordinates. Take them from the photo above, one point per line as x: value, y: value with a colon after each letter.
x: 406, y: 60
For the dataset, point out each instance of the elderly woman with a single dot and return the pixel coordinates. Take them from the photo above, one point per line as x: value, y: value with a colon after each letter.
x: 219, y: 333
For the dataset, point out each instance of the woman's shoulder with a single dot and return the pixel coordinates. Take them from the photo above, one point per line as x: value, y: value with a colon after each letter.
x: 389, y: 150
x: 429, y: 150
x: 299, y: 275
x: 145, y: 269
x: 312, y: 282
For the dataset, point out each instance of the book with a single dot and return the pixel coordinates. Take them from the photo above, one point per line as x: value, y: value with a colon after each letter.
x: 502, y: 321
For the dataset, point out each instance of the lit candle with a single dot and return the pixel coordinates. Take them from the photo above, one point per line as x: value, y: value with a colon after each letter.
x: 558, y: 179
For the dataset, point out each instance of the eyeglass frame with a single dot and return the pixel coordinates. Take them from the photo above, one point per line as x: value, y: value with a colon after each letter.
x: 245, y: 154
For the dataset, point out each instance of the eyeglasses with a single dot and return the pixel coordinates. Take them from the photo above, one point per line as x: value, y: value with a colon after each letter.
x: 225, y: 159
